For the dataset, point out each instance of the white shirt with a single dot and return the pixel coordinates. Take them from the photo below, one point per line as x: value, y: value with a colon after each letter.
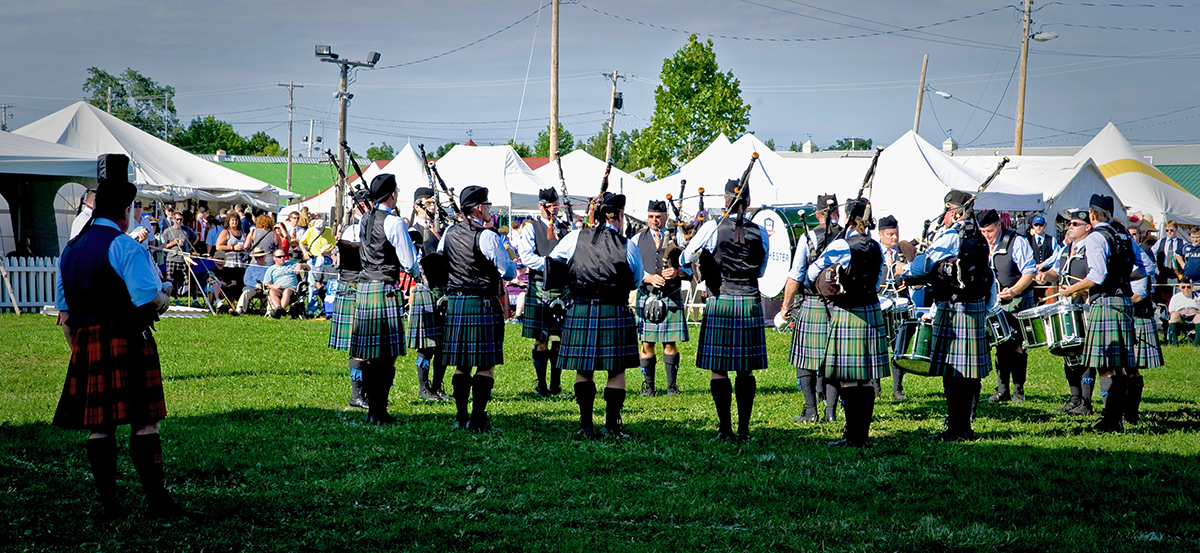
x: 1181, y: 301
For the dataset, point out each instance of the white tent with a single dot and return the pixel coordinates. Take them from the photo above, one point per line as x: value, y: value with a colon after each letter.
x: 718, y: 163
x: 1067, y: 182
x: 163, y: 171
x: 29, y: 156
x: 409, y: 172
x: 583, y: 173
x: 1140, y: 185
x: 510, y: 182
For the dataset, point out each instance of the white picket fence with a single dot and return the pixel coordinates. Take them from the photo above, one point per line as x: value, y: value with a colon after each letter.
x: 32, y: 281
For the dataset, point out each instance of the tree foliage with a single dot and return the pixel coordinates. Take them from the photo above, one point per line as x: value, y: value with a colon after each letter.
x: 207, y: 135
x: 136, y: 99
x: 694, y: 104
x: 382, y: 151
x: 851, y: 143
x: 443, y: 150
x: 521, y: 148
x: 770, y: 144
x: 622, y: 142
x: 566, y: 142
x: 795, y: 147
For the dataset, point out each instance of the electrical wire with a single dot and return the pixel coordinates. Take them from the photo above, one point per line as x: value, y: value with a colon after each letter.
x: 1002, y: 95
x: 529, y: 66
x: 469, y: 44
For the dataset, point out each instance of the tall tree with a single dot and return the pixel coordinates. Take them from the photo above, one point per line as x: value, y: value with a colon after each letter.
x: 770, y: 144
x: 443, y: 150
x: 795, y: 147
x: 852, y: 143
x: 521, y: 148
x: 622, y: 141
x: 695, y: 103
x: 136, y: 99
x: 261, y: 144
x: 566, y: 142
x: 382, y: 151
x: 209, y: 134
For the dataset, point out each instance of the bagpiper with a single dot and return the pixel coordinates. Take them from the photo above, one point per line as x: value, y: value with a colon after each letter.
x: 534, y: 243
x: 345, y: 302
x: 424, y: 320
x: 663, y: 279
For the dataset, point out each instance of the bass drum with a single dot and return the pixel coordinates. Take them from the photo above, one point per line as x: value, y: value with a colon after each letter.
x: 784, y: 229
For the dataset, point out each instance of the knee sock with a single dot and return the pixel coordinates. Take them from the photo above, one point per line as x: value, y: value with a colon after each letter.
x: 540, y: 358
x: 1087, y: 385
x: 1003, y: 372
x: 481, y: 389
x: 866, y: 414
x: 747, y: 387
x: 146, y: 453
x: 1114, y: 402
x: 585, y: 396
x: 897, y: 380
x: 1172, y: 333
x: 722, y: 392
x: 808, y: 387
x: 671, y: 365
x: 102, y: 454
x: 1105, y: 386
x: 1075, y: 381
x: 859, y: 407
x: 439, y: 372
x: 969, y: 389
x: 614, y: 401
x: 422, y: 363
x: 831, y: 399
x: 1133, y: 397
x: 555, y: 372
x: 379, y: 376
x: 1020, y: 367
x: 648, y: 364
x: 356, y: 369
x: 462, y: 396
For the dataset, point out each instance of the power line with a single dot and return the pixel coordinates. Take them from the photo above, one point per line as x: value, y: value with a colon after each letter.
x: 1095, y: 5
x: 1111, y: 28
x: 998, y: 104
x: 500, y: 122
x: 469, y: 44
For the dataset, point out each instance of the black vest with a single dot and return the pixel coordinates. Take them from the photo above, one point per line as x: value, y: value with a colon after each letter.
x: 429, y: 242
x: 1006, y: 269
x: 600, y: 269
x: 975, y: 271
x: 542, y: 245
x: 379, y: 260
x: 95, y: 293
x: 862, y: 277
x: 1075, y: 267
x: 471, y: 272
x: 349, y: 261
x: 652, y: 260
x: 1043, y: 252
x: 1120, y: 263
x: 740, y: 262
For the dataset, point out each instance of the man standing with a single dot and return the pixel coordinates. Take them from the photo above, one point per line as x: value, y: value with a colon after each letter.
x: 1042, y: 245
x: 425, y: 322
x: 663, y: 278
x: 377, y: 336
x: 534, y: 243
x: 599, y: 333
x: 896, y: 256
x: 1188, y: 258
x: 177, y: 241
x: 109, y: 295
x: 85, y: 213
x: 473, y: 337
x: 1071, y: 266
x: 349, y: 263
x: 1013, y: 264
x: 1164, y: 255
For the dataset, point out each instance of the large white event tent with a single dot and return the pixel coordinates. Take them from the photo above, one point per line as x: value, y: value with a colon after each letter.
x: 718, y: 163
x: 1067, y: 182
x: 510, y: 182
x: 21, y: 156
x: 583, y: 174
x: 163, y: 171
x: 1141, y: 186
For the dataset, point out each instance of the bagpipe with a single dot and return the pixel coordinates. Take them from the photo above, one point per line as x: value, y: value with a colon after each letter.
x: 829, y: 282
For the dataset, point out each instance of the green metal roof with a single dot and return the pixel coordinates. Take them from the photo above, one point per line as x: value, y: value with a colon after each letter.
x: 1187, y: 176
x: 307, y: 179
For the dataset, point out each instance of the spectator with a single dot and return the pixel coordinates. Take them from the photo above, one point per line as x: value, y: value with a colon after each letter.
x: 289, y: 224
x: 85, y: 213
x: 261, y: 236
x: 231, y: 242
x: 177, y: 242
x: 1188, y: 258
x: 24, y: 249
x: 246, y: 218
x: 223, y: 282
x: 316, y: 248
x: 281, y: 282
x: 252, y: 279
x: 211, y: 234
x: 1185, y: 312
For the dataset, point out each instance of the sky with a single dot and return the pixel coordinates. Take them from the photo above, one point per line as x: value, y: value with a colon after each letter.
x: 809, y: 69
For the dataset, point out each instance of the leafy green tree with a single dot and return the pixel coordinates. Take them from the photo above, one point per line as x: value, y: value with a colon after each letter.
x: 382, y: 151
x: 566, y: 142
x: 795, y: 147
x: 261, y: 144
x: 209, y: 134
x: 695, y: 103
x: 850, y: 143
x: 522, y: 148
x: 443, y: 150
x: 622, y: 141
x: 136, y: 99
x: 770, y: 144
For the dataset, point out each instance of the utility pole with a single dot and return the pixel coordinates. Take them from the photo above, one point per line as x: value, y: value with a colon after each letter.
x: 109, y: 110
x: 612, y: 110
x: 291, y: 86
x: 310, y: 136
x: 4, y: 116
x: 554, y: 83
x: 325, y: 54
x: 920, y: 96
x: 1021, y: 85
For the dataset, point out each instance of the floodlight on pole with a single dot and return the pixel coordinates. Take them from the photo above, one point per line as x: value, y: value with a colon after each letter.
x: 325, y: 54
x: 944, y: 95
x: 1043, y: 36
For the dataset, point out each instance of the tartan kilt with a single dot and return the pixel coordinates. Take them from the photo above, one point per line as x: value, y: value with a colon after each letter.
x: 1149, y: 352
x: 424, y: 322
x: 1111, y: 334
x: 598, y: 337
x: 473, y: 335
x: 342, y: 318
x: 733, y: 335
x: 673, y: 329
x: 535, y: 320
x: 114, y: 378
x: 858, y: 344
x: 960, y: 345
x: 811, y: 334
x: 378, y: 329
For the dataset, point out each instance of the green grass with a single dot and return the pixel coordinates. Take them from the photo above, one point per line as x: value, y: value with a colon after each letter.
x: 257, y: 439
x: 307, y: 178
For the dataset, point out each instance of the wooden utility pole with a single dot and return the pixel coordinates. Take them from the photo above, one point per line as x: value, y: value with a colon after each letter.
x: 291, y: 86
x: 920, y: 96
x: 612, y: 111
x: 554, y: 83
x: 1021, y: 83
x: 4, y: 116
x: 109, y: 110
x: 340, y: 205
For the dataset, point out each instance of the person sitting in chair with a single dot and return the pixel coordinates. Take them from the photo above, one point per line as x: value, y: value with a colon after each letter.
x: 1185, y: 313
x: 281, y: 282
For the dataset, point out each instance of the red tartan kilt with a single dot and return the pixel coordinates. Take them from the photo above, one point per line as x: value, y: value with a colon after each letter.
x: 114, y: 378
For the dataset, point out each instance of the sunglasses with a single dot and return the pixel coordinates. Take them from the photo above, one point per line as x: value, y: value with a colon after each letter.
x: 1078, y: 223
x: 1039, y: 224
x: 279, y: 257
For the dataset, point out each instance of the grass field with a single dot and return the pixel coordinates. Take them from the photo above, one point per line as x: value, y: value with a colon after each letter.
x: 258, y: 440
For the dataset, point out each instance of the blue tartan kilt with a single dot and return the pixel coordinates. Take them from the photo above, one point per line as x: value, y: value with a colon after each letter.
x: 858, y: 344
x: 733, y: 335
x: 598, y: 337
x: 424, y: 322
x: 473, y: 335
x: 960, y: 345
x: 536, y: 322
x: 378, y: 330
x: 1111, y: 336
x: 811, y: 334
x: 673, y: 329
x: 1149, y: 351
x: 342, y: 320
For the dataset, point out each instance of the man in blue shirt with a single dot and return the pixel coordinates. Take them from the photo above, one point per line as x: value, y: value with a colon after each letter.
x: 1188, y: 258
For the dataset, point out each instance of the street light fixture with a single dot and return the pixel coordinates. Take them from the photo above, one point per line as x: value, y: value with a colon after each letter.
x: 944, y: 95
x: 1043, y: 36
x: 325, y: 53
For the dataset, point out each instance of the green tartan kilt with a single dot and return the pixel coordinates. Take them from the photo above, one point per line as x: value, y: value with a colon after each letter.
x: 733, y: 335
x: 1149, y: 351
x: 673, y: 329
x: 858, y: 344
x: 598, y: 337
x: 535, y: 320
x: 342, y: 318
x: 811, y: 334
x: 378, y: 329
x: 960, y: 345
x: 1111, y: 335
x: 473, y: 335
x: 424, y: 322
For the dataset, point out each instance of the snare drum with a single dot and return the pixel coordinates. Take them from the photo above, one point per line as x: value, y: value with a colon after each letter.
x: 1066, y: 327
x: 895, y: 312
x: 998, y: 329
x: 914, y: 345
x: 1032, y: 327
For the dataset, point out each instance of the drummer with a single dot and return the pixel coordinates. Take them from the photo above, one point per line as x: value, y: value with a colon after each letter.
x: 1013, y: 264
x: 896, y: 255
x: 1071, y: 266
x: 812, y: 321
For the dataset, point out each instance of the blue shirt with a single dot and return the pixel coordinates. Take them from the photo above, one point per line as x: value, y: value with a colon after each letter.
x: 132, y: 263
x: 283, y: 275
x: 706, y: 238
x: 1141, y: 286
x: 492, y: 246
x: 527, y: 245
x: 945, y: 245
x: 213, y: 233
x: 1191, y: 261
x: 396, y: 232
x: 1097, y: 257
x: 838, y: 253
x: 565, y: 250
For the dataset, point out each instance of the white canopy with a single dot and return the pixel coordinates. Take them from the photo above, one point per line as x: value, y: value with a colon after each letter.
x: 163, y: 171
x: 1067, y: 182
x: 1139, y: 185
x: 718, y: 163
x: 409, y: 173
x: 583, y: 173
x: 29, y: 156
x: 510, y: 182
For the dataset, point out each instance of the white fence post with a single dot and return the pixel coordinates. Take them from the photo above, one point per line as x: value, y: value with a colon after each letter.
x: 32, y: 281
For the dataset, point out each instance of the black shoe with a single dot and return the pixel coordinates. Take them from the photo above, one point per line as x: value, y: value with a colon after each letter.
x: 428, y: 395
x: 442, y: 396
x: 807, y: 417
x: 829, y: 418
x: 999, y: 397
x: 724, y: 437
x: 647, y: 389
x: 586, y: 435
x: 557, y: 392
x: 1083, y: 409
x: 1018, y: 395
x: 540, y: 391
x: 381, y: 419
x: 617, y: 433
x: 948, y: 436
x: 899, y: 396
x: 844, y: 442
x: 481, y: 428
x: 743, y: 437
x: 1108, y: 426
x: 1069, y: 405
x: 673, y: 390
x: 460, y: 425
x: 357, y: 403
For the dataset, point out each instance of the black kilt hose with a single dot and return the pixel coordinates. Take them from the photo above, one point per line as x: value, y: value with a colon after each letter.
x: 733, y: 335
x: 673, y: 329
x: 345, y: 303
x: 857, y: 344
x: 424, y: 322
x: 473, y: 335
x: 536, y: 322
x: 114, y: 378
x: 378, y: 330
x: 598, y: 336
